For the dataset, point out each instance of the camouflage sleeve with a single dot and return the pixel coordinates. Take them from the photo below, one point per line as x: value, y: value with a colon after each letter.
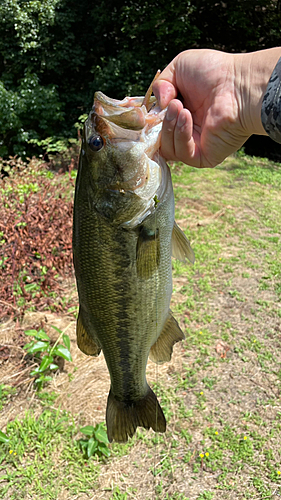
x: 271, y: 105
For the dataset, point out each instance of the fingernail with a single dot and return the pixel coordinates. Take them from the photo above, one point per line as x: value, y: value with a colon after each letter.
x: 181, y: 120
x: 171, y: 113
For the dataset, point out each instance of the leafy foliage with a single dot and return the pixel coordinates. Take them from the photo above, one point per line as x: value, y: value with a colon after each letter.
x: 42, y: 346
x: 238, y: 25
x: 55, y: 53
x: 32, y: 255
x: 3, y: 438
x: 29, y: 111
x: 96, y: 442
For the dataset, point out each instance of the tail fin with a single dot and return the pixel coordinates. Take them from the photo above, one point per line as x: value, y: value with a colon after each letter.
x: 122, y: 419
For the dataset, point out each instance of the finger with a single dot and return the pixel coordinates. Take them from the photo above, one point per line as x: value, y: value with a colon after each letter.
x: 164, y: 92
x: 165, y: 87
x: 185, y: 146
x: 168, y: 130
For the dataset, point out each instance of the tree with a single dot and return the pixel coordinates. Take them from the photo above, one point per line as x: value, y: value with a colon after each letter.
x: 54, y: 54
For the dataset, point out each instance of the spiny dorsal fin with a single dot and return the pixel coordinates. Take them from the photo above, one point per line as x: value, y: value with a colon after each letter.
x: 148, y: 252
x: 85, y: 343
x: 122, y: 418
x: 162, y: 350
x: 181, y: 248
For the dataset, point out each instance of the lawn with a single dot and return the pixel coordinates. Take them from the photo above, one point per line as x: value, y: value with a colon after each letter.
x: 221, y: 391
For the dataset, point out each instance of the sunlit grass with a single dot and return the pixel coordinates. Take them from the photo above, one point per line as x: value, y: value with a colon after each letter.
x: 221, y: 392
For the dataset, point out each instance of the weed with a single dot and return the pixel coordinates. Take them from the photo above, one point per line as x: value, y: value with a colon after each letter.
x: 6, y: 392
x: 4, y: 438
x: 209, y: 382
x: 206, y: 495
x: 188, y: 379
x: 96, y: 442
x: 42, y: 458
x: 165, y: 397
x: 47, y: 398
x: 44, y: 353
x: 235, y: 294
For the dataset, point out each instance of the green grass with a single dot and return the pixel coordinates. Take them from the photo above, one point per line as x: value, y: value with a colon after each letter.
x: 29, y: 462
x: 221, y: 392
x: 6, y: 392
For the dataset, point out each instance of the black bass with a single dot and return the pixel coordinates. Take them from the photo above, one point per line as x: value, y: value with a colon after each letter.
x: 124, y: 235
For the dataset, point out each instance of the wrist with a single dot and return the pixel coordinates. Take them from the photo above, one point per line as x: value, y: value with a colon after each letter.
x: 255, y: 70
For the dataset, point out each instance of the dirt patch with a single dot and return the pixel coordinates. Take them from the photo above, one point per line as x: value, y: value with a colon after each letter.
x: 221, y: 391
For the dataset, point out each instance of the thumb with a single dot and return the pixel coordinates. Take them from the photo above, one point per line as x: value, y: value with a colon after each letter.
x: 164, y: 91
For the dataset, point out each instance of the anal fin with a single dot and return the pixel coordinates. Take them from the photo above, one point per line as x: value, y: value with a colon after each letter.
x: 162, y: 350
x: 85, y: 343
x: 181, y: 248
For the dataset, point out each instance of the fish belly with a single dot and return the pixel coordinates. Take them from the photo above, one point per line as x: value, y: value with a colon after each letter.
x: 124, y: 281
x: 122, y: 311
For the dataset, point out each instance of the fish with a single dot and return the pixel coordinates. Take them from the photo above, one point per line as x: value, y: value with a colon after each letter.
x: 124, y: 235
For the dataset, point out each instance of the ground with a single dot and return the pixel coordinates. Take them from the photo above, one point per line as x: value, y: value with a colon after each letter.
x: 221, y: 391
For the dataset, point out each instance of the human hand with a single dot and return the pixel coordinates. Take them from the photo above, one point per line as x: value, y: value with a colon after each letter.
x: 221, y: 102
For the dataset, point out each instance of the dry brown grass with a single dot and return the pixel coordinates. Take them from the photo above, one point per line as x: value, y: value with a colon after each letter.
x: 236, y: 313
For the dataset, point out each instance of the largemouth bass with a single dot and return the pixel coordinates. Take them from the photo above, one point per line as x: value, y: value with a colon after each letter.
x: 124, y: 235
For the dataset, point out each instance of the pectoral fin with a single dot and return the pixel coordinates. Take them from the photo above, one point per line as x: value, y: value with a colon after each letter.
x: 162, y: 350
x: 85, y: 343
x: 181, y: 248
x: 148, y: 252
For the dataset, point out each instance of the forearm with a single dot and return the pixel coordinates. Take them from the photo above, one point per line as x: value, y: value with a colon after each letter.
x: 256, y: 69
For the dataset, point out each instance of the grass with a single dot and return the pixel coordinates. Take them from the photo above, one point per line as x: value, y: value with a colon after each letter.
x: 221, y: 391
x: 29, y: 462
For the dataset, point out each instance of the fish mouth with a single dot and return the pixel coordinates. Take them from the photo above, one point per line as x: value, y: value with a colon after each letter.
x: 128, y: 115
x: 111, y: 110
x: 131, y: 128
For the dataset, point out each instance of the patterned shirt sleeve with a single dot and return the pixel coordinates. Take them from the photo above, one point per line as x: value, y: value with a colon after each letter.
x: 271, y: 105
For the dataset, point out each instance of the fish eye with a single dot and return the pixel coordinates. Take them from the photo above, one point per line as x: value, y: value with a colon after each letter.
x: 95, y: 142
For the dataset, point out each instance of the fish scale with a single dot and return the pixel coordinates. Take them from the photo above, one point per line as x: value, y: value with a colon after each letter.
x: 111, y: 293
x: 122, y: 245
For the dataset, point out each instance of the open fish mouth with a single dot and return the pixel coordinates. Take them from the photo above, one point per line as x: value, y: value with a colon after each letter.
x: 110, y: 110
x: 130, y: 128
x: 134, y: 114
x: 128, y: 119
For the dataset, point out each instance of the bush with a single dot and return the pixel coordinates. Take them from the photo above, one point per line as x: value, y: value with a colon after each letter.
x: 54, y: 54
x: 29, y: 112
